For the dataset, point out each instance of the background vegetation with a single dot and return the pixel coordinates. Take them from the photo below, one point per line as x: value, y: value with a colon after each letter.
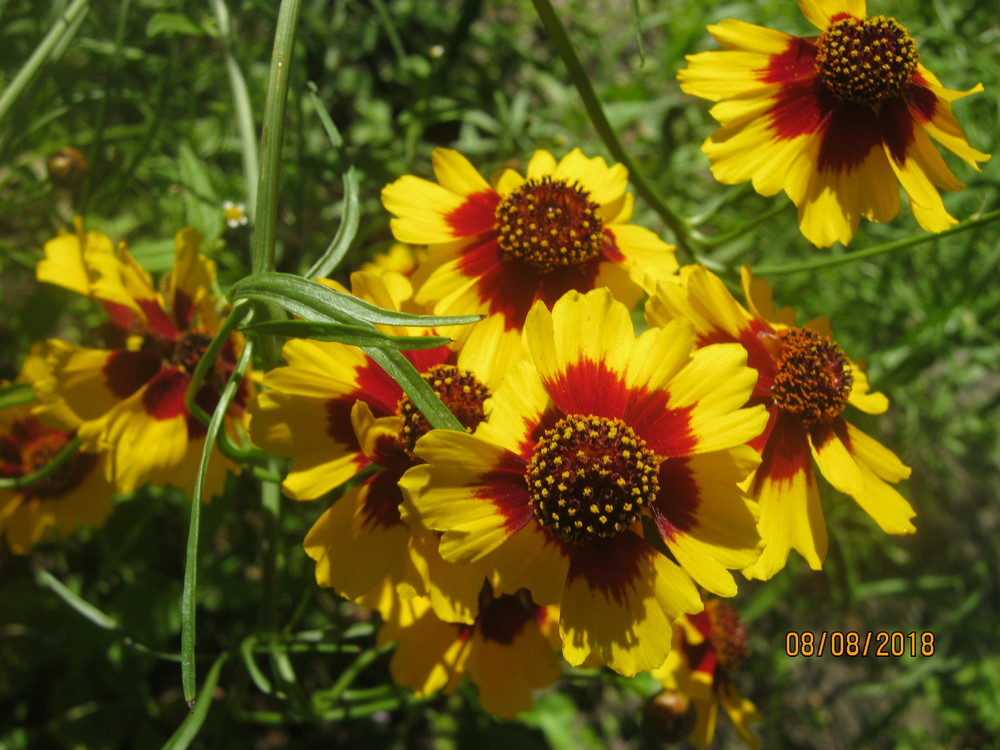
x: 143, y: 90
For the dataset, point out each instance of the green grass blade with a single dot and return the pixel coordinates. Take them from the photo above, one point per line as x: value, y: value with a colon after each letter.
x: 348, y: 228
x: 244, y: 111
x: 60, y: 33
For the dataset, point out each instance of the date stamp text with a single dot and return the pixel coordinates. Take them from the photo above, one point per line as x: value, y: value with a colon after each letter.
x: 852, y: 643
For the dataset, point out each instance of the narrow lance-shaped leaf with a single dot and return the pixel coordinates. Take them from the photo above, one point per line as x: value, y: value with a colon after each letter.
x: 346, y: 334
x: 317, y: 302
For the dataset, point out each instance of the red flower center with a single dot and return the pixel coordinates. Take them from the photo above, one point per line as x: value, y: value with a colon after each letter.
x: 813, y: 377
x: 590, y: 477
x: 549, y: 223
x: 866, y: 60
x: 727, y: 635
x: 459, y: 390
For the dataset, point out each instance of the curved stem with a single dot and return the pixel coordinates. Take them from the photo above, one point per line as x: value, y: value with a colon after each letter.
x: 557, y: 32
x: 888, y: 247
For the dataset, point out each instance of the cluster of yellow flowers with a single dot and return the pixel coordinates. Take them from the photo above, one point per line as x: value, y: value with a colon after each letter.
x: 607, y: 481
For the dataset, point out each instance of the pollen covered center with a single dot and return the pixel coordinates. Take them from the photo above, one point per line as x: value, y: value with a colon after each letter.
x: 813, y: 379
x: 549, y: 223
x: 459, y: 390
x: 866, y: 60
x: 189, y: 350
x: 38, y: 453
x: 727, y: 635
x: 590, y: 477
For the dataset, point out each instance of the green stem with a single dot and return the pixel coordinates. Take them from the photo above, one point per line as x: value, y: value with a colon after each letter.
x: 265, y: 229
x: 16, y: 483
x: 725, y: 237
x: 390, y: 31
x: 888, y: 247
x: 557, y: 32
x: 97, y: 146
x: 65, y: 25
x: 244, y: 111
x: 236, y: 317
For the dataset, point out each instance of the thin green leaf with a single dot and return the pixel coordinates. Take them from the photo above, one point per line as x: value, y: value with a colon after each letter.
x: 348, y: 228
x: 189, y: 594
x: 187, y: 731
x: 423, y: 396
x: 96, y: 616
x: 85, y: 608
x: 246, y: 651
x: 637, y: 28
x: 345, y: 334
x: 317, y: 302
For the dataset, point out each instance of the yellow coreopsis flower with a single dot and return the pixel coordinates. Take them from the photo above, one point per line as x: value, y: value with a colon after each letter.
x: 598, y: 431
x: 837, y: 121
x: 709, y: 648
x: 128, y: 399
x: 75, y: 494
x: 507, y: 652
x: 806, y: 381
x: 497, y: 247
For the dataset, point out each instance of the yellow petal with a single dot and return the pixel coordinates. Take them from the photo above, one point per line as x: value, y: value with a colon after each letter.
x: 456, y: 173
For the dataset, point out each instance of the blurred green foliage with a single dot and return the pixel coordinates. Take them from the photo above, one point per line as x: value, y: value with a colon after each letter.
x: 142, y: 91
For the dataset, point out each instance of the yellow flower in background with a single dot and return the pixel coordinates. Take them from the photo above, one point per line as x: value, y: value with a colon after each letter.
x: 400, y: 257
x: 497, y: 248
x: 806, y: 381
x: 507, y: 652
x: 74, y: 494
x: 128, y: 399
x: 837, y: 121
x: 709, y: 649
x: 599, y: 431
x: 336, y: 412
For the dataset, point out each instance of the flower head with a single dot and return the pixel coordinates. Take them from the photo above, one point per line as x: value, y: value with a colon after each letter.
x: 834, y: 120
x: 600, y: 432
x: 507, y: 652
x: 806, y: 382
x: 129, y: 399
x: 709, y: 649
x: 235, y: 214
x: 74, y: 494
x: 497, y: 248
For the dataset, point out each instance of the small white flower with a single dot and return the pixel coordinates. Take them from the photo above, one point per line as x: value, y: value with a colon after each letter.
x: 235, y: 214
